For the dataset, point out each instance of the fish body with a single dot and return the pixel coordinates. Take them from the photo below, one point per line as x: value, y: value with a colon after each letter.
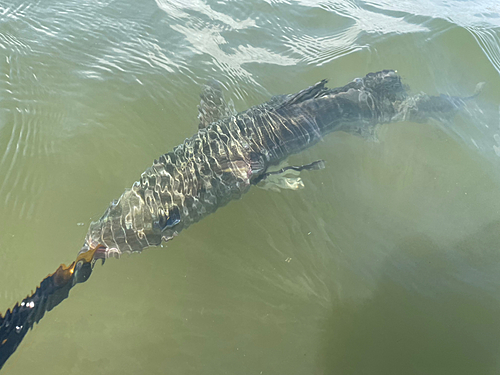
x: 222, y: 160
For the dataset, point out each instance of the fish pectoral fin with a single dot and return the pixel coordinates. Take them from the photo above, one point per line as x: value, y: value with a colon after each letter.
x: 278, y: 180
x: 277, y: 183
x: 314, y: 166
x: 213, y: 107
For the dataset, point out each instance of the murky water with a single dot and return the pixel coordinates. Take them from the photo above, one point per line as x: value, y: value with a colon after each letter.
x: 387, y: 262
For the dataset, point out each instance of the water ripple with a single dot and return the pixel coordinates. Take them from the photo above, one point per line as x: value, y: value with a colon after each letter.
x: 482, y: 19
x: 185, y: 9
x: 489, y: 41
x: 322, y: 50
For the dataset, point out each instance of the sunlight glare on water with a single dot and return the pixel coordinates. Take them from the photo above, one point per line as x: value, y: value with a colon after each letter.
x: 386, y: 262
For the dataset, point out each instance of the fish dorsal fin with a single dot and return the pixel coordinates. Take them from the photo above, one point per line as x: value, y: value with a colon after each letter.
x: 213, y: 107
x: 312, y: 92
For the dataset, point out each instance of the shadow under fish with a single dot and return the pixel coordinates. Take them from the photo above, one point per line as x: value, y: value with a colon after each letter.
x: 230, y: 153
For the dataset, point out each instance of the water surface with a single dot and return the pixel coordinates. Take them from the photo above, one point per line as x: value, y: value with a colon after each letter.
x: 387, y: 262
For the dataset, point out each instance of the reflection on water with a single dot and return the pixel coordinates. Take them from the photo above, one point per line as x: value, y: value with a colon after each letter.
x: 386, y: 262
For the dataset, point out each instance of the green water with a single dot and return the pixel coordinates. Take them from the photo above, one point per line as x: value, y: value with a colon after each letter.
x: 387, y: 262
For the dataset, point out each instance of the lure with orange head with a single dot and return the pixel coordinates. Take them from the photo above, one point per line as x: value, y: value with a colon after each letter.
x: 51, y: 292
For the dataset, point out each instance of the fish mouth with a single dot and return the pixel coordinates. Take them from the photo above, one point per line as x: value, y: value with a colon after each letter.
x: 98, y: 251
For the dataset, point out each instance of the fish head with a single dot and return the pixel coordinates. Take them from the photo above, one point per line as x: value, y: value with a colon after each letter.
x: 386, y: 84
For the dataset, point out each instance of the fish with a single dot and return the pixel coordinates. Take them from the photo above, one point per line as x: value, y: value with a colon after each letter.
x: 235, y: 151
x: 230, y: 153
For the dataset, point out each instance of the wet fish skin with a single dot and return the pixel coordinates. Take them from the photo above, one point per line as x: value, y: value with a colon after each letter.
x: 222, y: 160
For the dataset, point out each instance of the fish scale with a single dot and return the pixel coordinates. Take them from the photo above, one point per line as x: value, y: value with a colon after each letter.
x: 220, y: 162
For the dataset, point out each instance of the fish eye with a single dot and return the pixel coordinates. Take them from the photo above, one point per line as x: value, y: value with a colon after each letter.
x: 173, y: 218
